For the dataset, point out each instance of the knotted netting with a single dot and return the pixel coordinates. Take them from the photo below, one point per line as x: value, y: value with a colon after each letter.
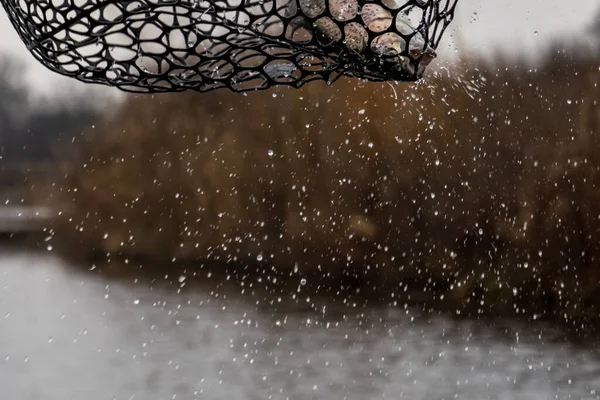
x: 174, y: 45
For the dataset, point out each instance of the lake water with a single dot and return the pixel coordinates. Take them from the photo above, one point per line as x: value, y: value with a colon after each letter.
x: 66, y: 333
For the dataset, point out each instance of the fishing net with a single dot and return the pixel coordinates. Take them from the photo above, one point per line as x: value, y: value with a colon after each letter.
x: 175, y: 45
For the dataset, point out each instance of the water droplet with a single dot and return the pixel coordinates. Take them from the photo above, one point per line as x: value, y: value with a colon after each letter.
x: 136, y: 301
x: 303, y: 281
x: 259, y: 257
x: 361, y: 111
x: 181, y: 278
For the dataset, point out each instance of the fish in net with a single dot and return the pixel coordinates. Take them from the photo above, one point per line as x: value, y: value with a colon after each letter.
x: 176, y: 45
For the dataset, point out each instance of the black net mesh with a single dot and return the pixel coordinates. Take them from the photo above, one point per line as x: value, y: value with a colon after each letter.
x: 174, y: 45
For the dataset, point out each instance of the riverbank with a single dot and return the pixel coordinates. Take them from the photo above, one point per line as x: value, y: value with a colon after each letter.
x: 272, y: 288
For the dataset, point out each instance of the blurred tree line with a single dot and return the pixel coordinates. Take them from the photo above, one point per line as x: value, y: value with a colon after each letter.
x: 482, y: 184
x: 33, y: 131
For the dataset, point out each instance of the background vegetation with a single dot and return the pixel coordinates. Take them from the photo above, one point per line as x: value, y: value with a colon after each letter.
x: 478, y: 186
x: 35, y: 133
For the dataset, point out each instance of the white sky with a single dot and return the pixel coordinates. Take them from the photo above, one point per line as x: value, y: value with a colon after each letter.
x: 521, y: 24
x: 481, y: 26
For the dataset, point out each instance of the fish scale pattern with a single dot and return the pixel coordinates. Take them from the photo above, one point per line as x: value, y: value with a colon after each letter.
x: 176, y: 45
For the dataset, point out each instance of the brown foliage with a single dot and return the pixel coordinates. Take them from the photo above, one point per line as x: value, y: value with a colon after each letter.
x: 476, y: 185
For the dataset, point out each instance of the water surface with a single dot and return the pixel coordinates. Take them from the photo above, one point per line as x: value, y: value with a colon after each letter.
x: 66, y: 334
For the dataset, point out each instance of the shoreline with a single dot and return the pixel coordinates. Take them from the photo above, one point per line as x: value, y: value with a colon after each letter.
x: 266, y: 282
x: 274, y: 290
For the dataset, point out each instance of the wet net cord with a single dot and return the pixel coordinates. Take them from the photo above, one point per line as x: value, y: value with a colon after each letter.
x: 176, y: 45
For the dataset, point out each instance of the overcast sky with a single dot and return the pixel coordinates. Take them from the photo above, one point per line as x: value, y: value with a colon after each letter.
x: 481, y: 25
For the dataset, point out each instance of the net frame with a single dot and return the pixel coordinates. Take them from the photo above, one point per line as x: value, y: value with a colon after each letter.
x: 202, y: 45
